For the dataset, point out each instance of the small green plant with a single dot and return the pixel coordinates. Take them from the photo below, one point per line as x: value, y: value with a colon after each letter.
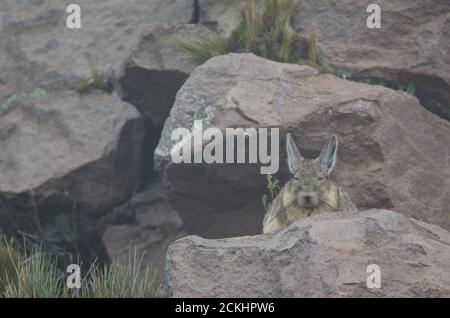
x: 97, y: 80
x: 409, y: 88
x: 82, y: 86
x: 273, y: 186
x: 312, y: 48
x: 16, y: 99
x: 269, y: 35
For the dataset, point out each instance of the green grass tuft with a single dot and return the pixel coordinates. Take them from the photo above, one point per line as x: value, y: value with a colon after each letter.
x: 36, y: 275
x: 269, y: 35
x: 312, y: 48
x: 203, y: 50
x: 250, y: 29
x: 121, y: 281
x: 82, y: 86
x: 97, y: 80
x: 9, y: 261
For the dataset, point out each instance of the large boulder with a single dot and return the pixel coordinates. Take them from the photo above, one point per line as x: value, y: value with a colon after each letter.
x: 66, y: 159
x: 393, y: 153
x: 143, y: 227
x: 323, y: 256
x: 411, y: 47
x: 38, y: 50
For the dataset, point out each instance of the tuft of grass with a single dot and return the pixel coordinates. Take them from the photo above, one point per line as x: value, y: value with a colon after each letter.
x: 203, y: 50
x: 121, y: 280
x: 273, y: 186
x: 9, y: 260
x: 409, y: 88
x: 269, y: 35
x: 37, y: 277
x: 250, y: 29
x: 279, y: 33
x: 279, y: 13
x: 312, y: 48
x: 82, y: 86
x: 97, y: 80
x: 285, y: 51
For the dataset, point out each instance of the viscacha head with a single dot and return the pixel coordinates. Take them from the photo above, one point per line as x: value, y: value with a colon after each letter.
x: 310, y: 177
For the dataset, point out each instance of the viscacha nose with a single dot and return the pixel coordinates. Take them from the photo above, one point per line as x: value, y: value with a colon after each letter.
x: 307, y: 199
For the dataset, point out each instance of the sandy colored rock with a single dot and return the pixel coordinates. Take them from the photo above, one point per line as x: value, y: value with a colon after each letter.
x: 321, y: 256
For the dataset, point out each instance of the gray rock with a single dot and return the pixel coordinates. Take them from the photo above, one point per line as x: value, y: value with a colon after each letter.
x: 322, y: 256
x: 391, y: 149
x: 65, y: 160
x: 411, y: 46
x: 38, y: 50
x: 144, y: 226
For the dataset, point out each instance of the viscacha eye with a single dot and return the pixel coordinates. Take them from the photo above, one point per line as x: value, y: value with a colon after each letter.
x: 321, y: 178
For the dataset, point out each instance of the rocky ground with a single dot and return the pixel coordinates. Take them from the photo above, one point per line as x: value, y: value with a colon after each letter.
x: 90, y: 173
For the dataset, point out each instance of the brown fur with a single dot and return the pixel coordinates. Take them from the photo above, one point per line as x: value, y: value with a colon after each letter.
x: 310, y: 179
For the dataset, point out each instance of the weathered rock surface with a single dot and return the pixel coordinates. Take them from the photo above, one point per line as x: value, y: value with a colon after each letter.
x: 412, y: 45
x: 145, y: 225
x: 65, y: 159
x: 156, y: 69
x: 38, y: 50
x: 322, y: 256
x: 391, y: 149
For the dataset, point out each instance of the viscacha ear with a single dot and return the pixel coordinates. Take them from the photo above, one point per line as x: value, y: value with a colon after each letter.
x: 327, y: 158
x: 295, y: 159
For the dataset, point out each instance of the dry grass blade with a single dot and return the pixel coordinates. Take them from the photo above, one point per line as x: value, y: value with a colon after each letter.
x: 203, y: 50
